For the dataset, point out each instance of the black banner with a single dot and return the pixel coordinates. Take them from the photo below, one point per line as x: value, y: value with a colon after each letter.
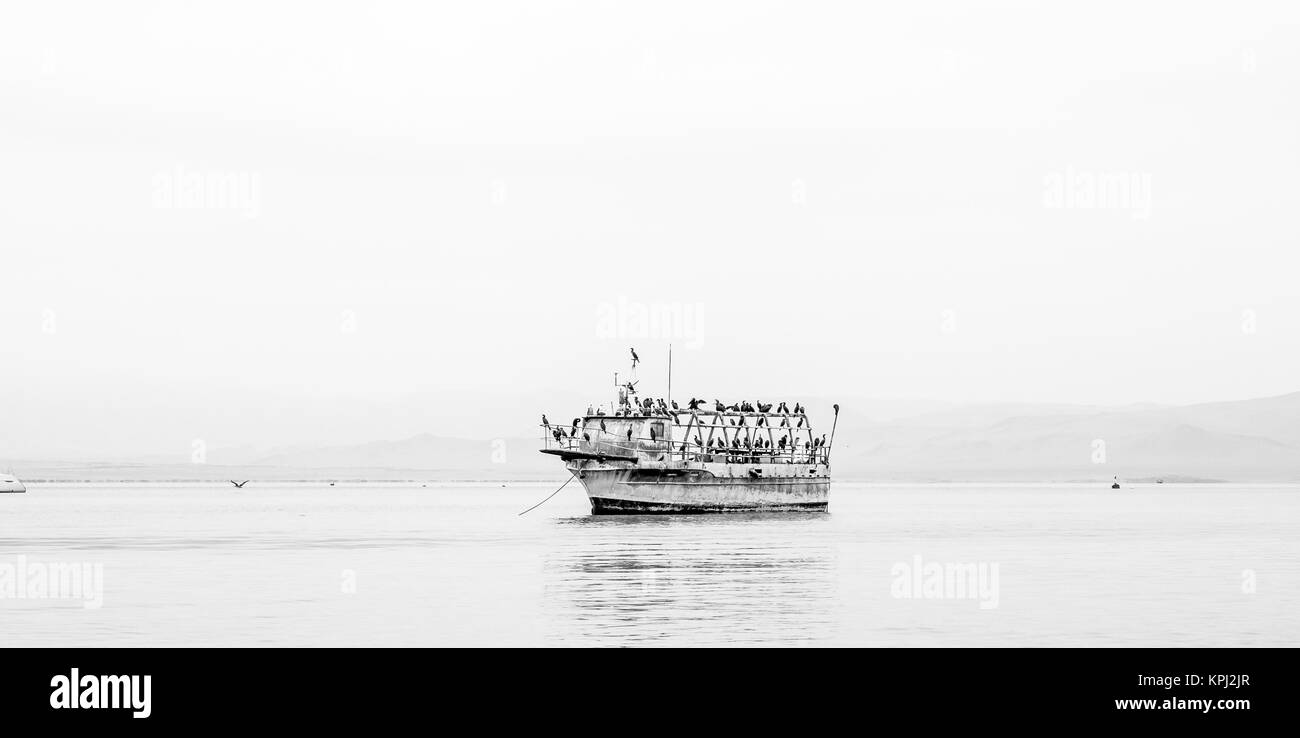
x: 976, y: 688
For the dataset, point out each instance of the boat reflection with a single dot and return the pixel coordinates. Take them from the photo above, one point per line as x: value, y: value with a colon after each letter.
x: 690, y: 580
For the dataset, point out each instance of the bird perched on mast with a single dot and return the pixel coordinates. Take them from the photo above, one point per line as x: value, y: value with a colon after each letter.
x: 635, y: 359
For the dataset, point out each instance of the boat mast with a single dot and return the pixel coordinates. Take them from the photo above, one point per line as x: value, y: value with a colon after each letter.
x: 670, y: 373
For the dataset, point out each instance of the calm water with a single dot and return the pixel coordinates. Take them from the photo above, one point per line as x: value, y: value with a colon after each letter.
x: 390, y: 564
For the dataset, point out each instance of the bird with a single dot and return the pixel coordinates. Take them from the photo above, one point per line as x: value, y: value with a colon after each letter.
x: 800, y: 423
x: 635, y: 359
x: 239, y: 485
x: 718, y: 406
x: 602, y: 426
x: 675, y: 405
x: 586, y: 437
x: 545, y: 422
x: 629, y: 433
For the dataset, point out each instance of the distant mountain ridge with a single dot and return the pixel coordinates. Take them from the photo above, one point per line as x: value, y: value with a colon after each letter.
x: 1246, y: 440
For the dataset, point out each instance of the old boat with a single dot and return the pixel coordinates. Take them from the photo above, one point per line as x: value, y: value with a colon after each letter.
x: 654, y: 457
x: 10, y: 483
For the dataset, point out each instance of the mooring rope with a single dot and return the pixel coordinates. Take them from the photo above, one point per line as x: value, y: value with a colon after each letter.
x: 556, y: 492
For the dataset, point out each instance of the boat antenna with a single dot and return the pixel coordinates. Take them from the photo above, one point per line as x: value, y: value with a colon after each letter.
x: 670, y: 373
x: 833, y: 424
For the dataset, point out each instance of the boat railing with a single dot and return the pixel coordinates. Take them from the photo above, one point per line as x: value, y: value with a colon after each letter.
x: 604, y: 442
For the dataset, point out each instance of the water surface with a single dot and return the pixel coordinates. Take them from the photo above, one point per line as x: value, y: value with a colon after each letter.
x: 452, y: 565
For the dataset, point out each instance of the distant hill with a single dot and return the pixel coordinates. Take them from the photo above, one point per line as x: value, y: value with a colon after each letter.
x: 497, y: 458
x: 1247, y: 440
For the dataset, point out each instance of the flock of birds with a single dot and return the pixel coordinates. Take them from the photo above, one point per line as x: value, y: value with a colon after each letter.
x: 763, y: 414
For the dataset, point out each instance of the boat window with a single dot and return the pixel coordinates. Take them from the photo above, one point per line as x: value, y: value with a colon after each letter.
x: 658, y: 429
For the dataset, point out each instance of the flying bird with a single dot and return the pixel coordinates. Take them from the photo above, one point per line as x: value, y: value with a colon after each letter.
x: 239, y: 485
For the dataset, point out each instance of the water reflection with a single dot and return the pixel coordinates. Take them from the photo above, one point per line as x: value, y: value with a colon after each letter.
x: 704, y: 580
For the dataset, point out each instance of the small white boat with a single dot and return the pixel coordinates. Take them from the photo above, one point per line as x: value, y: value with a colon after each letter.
x: 10, y: 483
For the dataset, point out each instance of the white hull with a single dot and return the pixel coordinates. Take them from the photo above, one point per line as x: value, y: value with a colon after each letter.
x: 615, y: 488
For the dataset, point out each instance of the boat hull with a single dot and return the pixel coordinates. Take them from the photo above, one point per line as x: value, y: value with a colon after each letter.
x: 722, y: 489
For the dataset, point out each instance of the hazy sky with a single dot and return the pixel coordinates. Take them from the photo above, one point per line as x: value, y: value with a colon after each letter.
x: 1095, y: 202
